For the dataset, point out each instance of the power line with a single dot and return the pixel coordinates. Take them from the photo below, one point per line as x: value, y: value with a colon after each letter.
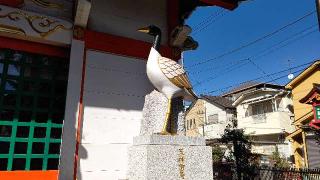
x: 229, y: 69
x: 255, y: 41
x: 253, y: 80
x: 258, y: 78
x: 206, y: 20
x: 267, y: 50
x: 284, y: 45
x: 210, y: 20
x: 259, y: 68
x: 219, y: 15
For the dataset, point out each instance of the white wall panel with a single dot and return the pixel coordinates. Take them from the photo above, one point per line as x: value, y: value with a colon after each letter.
x: 114, y: 92
x: 109, y: 161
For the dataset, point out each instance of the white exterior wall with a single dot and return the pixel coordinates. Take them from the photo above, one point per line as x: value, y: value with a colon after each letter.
x: 213, y: 131
x: 268, y: 149
x: 123, y: 17
x: 274, y: 122
x: 114, y: 93
x: 115, y: 87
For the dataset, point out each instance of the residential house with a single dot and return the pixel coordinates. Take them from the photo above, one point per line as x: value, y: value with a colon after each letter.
x: 300, y: 86
x: 264, y: 111
x: 209, y: 116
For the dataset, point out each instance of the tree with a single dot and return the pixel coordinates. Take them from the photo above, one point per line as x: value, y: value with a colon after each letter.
x: 217, y: 154
x: 241, y: 151
x: 279, y: 161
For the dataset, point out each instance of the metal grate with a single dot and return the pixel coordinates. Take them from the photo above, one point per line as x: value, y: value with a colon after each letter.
x: 32, y: 103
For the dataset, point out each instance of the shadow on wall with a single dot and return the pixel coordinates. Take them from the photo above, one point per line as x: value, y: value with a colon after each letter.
x: 115, y: 82
x: 83, y: 154
x: 114, y: 92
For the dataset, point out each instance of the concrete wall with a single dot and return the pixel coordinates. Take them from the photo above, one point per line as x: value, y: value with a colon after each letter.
x: 114, y: 93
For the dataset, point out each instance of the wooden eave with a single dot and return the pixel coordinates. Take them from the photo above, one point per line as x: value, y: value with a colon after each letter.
x: 307, y: 117
x: 227, y: 4
x: 303, y: 75
x: 294, y: 134
x: 313, y: 95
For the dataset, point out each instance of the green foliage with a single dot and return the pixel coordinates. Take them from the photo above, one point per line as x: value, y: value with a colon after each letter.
x: 278, y: 160
x: 217, y: 154
x: 241, y: 150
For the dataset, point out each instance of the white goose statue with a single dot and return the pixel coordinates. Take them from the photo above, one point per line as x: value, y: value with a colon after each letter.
x: 166, y: 75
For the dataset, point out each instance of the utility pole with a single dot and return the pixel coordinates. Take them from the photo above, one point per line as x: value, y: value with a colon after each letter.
x: 318, y: 11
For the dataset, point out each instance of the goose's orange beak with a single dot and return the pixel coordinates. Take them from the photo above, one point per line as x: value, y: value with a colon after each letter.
x: 144, y: 30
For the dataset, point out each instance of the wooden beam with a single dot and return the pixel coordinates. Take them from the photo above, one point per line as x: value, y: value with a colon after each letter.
x: 12, y: 3
x: 123, y: 46
x: 222, y: 3
x: 82, y: 13
x: 33, y: 47
x: 172, y: 16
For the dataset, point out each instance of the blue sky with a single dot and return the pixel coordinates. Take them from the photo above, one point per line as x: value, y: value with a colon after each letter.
x: 250, y: 21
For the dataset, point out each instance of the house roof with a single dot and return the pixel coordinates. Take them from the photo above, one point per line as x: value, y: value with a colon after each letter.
x: 221, y: 101
x: 304, y: 74
x: 241, y: 98
x: 249, y: 85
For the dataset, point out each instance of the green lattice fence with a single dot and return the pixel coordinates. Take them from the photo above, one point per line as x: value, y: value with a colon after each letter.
x: 32, y: 103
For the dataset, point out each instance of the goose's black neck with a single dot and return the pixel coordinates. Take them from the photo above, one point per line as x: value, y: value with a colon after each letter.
x: 157, y: 41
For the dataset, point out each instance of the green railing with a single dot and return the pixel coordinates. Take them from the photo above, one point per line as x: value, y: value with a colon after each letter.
x: 32, y: 101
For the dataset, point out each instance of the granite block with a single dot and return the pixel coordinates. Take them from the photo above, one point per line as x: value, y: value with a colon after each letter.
x: 168, y: 140
x: 170, y: 162
x: 154, y: 114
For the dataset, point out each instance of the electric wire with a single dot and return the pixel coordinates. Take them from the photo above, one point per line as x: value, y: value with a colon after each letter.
x: 258, y: 78
x: 261, y: 53
x: 254, y: 41
x: 219, y: 15
x: 248, y: 60
x: 206, y: 20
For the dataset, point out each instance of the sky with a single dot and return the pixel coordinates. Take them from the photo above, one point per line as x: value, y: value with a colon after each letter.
x: 220, y: 33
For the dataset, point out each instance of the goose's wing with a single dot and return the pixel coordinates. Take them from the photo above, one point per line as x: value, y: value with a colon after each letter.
x: 174, y: 72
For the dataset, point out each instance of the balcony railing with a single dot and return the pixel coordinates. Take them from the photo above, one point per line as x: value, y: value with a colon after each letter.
x: 259, y: 118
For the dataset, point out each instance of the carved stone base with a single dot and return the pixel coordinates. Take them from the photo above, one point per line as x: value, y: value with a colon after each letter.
x: 169, y: 158
x: 154, y: 114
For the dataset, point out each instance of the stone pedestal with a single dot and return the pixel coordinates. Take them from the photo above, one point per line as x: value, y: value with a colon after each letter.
x: 156, y: 157
x: 154, y: 114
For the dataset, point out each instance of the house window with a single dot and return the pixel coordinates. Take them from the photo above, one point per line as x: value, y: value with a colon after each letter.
x: 213, y: 119
x: 262, y: 108
x: 187, y: 124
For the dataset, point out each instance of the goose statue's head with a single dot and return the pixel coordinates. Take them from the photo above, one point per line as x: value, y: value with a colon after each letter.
x: 155, y: 32
x: 151, y: 30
